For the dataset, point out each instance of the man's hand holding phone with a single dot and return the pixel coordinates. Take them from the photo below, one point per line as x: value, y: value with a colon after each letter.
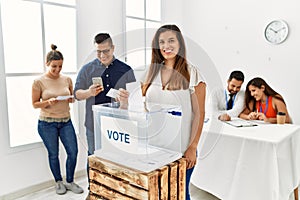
x: 97, y: 86
x: 97, y: 81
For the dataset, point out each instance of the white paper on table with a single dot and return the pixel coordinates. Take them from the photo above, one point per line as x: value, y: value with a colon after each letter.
x: 113, y: 93
x: 60, y: 98
x: 238, y: 122
x: 135, y: 94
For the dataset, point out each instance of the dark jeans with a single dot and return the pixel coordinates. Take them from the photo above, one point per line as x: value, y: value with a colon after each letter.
x: 91, y: 148
x: 50, y: 133
x: 90, y: 141
x: 188, y: 179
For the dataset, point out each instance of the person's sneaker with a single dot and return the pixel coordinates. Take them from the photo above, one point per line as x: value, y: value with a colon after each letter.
x: 60, y: 188
x: 74, y: 188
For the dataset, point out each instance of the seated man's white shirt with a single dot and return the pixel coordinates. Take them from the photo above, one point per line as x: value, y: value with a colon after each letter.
x: 217, y: 104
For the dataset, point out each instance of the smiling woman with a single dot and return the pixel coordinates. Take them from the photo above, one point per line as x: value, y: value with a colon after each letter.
x: 263, y: 103
x: 54, y: 122
x: 171, y: 80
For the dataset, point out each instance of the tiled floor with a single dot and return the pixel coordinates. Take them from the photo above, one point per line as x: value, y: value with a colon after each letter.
x: 49, y: 193
x: 198, y: 194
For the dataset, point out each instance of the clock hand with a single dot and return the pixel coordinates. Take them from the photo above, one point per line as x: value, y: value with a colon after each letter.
x: 280, y: 29
x: 273, y: 30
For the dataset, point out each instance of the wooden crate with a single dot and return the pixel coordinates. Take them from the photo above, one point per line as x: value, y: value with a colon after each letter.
x: 109, y: 180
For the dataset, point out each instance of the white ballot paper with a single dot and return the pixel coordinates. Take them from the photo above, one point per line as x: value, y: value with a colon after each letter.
x: 113, y: 93
x: 135, y: 94
x: 60, y: 98
x: 238, y: 122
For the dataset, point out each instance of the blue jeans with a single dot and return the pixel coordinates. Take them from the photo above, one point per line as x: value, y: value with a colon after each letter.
x: 91, y: 148
x: 50, y: 133
x: 90, y: 141
x: 188, y: 179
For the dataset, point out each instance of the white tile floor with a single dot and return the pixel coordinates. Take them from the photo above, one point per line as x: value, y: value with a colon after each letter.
x: 49, y: 193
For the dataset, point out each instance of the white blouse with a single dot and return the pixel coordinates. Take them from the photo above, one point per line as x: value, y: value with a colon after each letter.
x: 155, y: 94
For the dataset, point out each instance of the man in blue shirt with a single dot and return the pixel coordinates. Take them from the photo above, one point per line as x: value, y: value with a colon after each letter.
x: 114, y: 73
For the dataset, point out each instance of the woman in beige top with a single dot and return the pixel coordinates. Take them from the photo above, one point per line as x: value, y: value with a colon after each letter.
x: 52, y: 93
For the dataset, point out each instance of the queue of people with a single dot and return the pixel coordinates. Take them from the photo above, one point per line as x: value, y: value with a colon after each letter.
x: 169, y: 74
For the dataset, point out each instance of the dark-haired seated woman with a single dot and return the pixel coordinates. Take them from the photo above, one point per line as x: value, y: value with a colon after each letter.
x: 263, y: 103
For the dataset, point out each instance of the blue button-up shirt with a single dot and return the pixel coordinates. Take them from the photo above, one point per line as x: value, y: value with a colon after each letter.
x: 116, y: 75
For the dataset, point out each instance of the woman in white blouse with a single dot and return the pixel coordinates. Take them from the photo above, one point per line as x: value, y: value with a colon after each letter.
x: 171, y: 80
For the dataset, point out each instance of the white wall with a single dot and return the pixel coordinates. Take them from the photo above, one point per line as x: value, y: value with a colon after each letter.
x: 172, y: 12
x: 95, y: 16
x: 232, y: 34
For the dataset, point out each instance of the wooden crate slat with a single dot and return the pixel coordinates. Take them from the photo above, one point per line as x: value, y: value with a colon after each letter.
x: 173, y: 180
x: 107, y: 193
x: 135, y: 177
x: 153, y: 187
x: 181, y: 178
x: 93, y: 197
x: 118, y: 185
x: 164, y: 183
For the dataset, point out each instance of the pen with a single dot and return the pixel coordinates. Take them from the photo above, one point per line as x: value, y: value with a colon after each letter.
x: 177, y: 113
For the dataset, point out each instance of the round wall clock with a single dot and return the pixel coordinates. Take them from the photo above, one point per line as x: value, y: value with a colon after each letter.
x: 276, y: 31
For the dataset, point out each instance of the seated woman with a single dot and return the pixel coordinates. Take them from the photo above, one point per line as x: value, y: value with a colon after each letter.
x: 262, y: 102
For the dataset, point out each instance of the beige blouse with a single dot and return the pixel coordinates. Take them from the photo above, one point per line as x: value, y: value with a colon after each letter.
x: 51, y: 88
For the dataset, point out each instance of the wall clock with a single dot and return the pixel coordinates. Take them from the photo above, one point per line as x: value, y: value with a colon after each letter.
x: 276, y: 31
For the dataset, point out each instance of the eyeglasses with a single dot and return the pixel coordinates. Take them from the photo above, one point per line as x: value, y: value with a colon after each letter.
x: 106, y: 51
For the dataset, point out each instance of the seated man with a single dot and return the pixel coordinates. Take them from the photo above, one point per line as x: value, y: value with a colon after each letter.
x: 229, y: 102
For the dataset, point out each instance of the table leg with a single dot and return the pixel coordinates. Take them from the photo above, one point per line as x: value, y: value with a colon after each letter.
x: 296, y: 193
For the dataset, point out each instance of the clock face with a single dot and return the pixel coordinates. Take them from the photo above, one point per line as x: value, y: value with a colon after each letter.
x: 276, y: 31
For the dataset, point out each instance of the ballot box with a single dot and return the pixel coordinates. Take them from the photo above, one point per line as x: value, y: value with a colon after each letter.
x: 142, y: 138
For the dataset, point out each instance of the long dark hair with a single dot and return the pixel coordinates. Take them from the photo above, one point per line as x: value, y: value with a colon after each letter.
x: 180, y: 79
x: 259, y: 82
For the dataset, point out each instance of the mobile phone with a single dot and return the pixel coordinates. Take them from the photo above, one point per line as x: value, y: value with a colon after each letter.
x: 97, y: 80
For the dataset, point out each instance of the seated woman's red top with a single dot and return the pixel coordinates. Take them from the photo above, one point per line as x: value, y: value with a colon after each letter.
x: 266, y: 108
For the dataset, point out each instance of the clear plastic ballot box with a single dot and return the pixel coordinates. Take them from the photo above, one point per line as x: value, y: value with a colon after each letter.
x: 143, y: 138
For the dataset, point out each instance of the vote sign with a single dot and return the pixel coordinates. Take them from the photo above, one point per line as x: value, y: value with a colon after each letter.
x: 119, y: 133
